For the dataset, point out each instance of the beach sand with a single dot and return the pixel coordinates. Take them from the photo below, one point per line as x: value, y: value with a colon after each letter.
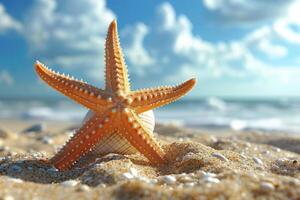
x: 202, y: 164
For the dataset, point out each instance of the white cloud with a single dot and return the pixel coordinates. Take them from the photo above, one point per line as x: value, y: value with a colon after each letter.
x: 288, y: 27
x: 180, y: 54
x: 263, y: 40
x: 69, y: 33
x: 7, y: 22
x: 167, y: 16
x: 256, y: 35
x: 272, y: 50
x: 282, y: 15
x: 283, y: 28
x: 193, y: 55
x: 6, y: 78
x: 135, y: 51
x: 243, y: 12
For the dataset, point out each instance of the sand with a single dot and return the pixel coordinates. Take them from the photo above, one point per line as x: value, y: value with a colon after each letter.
x: 202, y: 164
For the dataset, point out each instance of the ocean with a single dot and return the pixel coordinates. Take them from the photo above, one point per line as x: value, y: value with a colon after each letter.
x: 206, y: 113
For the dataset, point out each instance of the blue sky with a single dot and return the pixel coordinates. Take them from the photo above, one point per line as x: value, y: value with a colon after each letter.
x: 235, y: 48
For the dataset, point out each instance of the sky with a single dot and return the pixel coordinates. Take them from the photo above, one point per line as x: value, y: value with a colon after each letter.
x: 234, y: 48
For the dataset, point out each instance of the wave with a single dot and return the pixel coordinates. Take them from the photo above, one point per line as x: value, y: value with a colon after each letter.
x: 217, y: 103
x: 215, y: 113
x: 41, y: 110
x: 46, y: 113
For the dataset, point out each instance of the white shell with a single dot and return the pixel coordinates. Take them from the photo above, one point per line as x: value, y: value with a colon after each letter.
x: 115, y: 143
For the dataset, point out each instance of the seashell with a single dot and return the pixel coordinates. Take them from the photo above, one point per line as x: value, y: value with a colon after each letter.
x: 115, y: 143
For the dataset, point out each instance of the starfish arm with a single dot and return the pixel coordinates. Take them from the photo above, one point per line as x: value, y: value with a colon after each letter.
x: 140, y: 137
x: 82, y: 142
x: 116, y: 75
x: 87, y: 95
x: 148, y: 99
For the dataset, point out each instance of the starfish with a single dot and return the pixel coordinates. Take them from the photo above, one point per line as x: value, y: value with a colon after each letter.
x: 115, y: 109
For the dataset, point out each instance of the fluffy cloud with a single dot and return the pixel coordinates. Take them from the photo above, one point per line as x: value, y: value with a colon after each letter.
x: 247, y: 11
x: 6, y: 78
x: 195, y: 56
x: 69, y: 33
x: 135, y: 50
x: 264, y: 40
x: 180, y: 54
x: 272, y: 50
x: 7, y: 22
x: 288, y: 27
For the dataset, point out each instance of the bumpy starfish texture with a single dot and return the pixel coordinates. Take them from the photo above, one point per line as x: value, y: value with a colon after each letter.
x: 116, y: 109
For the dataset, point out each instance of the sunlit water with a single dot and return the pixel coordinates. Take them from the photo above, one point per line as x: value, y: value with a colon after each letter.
x: 212, y: 113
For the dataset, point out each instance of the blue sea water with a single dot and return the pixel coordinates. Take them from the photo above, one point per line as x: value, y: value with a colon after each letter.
x: 208, y: 113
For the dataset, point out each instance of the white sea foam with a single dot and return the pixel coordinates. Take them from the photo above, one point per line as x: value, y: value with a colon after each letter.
x: 263, y: 124
x: 217, y: 103
x: 238, y: 125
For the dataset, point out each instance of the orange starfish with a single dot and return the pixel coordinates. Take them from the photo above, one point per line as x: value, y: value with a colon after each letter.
x: 115, y: 109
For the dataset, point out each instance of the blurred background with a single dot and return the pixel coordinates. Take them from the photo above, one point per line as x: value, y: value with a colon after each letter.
x: 244, y: 54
